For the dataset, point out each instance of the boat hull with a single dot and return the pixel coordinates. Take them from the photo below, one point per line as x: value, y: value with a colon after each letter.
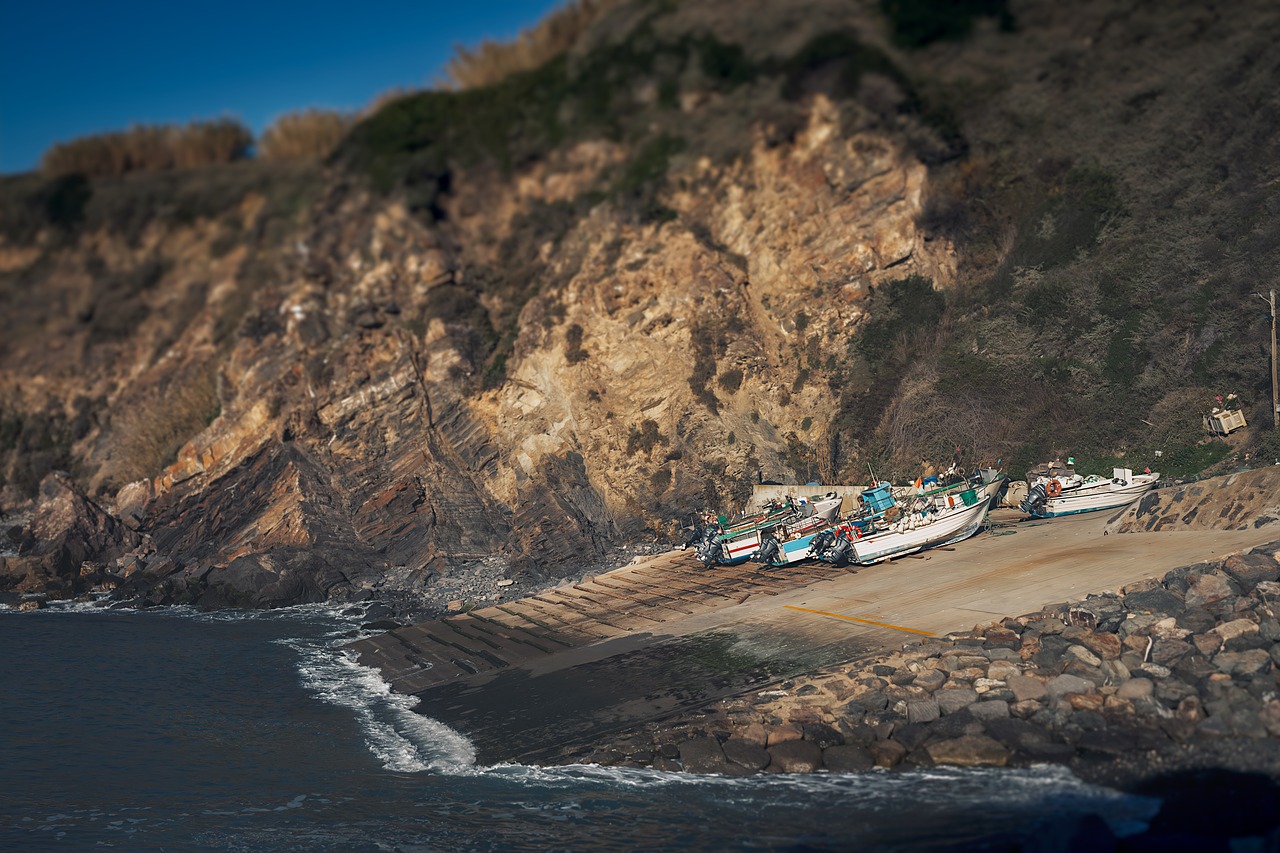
x: 1107, y: 495
x: 795, y: 550
x: 738, y: 548
x: 950, y: 526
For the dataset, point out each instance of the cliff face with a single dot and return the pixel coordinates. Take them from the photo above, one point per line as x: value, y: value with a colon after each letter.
x: 762, y: 258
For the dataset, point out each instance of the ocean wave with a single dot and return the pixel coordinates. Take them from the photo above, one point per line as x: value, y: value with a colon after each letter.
x: 402, y: 739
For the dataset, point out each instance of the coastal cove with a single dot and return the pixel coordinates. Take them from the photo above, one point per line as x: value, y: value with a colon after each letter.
x: 169, y: 729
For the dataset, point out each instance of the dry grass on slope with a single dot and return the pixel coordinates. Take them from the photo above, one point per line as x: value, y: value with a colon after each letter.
x: 150, y: 432
x: 308, y: 136
x: 149, y: 148
x: 493, y: 61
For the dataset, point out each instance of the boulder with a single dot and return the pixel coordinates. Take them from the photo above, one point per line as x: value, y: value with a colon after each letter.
x: 783, y: 733
x: 796, y: 756
x: 912, y: 735
x: 1152, y: 670
x: 754, y: 733
x: 953, y: 725
x: 1064, y: 684
x: 1249, y: 570
x: 1242, y: 663
x: 1208, y: 589
x: 703, y: 755
x: 822, y: 734
x: 1108, y: 742
x: 989, y: 710
x: 923, y: 711
x: 1236, y: 628
x: 1001, y: 638
x: 746, y: 754
x: 1083, y: 655
x: 1045, y: 625
x: 1025, y: 709
x: 888, y: 753
x: 1169, y: 652
x: 969, y: 751
x: 1135, y: 688
x: 849, y: 758
x: 1158, y: 600
x: 953, y: 699
x: 1026, y: 687
x: 1002, y: 669
x: 930, y: 679
x: 1197, y: 620
x: 1104, y: 645
x: 1015, y: 734
x: 1207, y: 644
x: 1084, y: 701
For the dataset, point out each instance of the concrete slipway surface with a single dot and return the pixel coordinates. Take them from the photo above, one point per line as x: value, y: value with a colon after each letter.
x: 528, y: 678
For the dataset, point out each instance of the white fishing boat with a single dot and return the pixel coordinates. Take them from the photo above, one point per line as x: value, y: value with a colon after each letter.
x: 1060, y: 491
x: 739, y: 542
x: 924, y: 524
x: 791, y: 543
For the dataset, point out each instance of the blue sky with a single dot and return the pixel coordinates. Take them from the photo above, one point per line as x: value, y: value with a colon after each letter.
x: 72, y: 68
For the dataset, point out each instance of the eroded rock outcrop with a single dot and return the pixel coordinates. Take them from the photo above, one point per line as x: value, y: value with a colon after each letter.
x: 70, y: 544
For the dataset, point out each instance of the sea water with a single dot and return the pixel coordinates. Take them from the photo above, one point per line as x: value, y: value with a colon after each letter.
x: 251, y: 731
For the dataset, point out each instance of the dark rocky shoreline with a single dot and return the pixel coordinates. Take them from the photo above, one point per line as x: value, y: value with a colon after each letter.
x: 66, y: 547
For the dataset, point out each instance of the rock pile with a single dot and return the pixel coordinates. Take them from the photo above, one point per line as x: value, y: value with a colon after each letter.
x: 1162, y: 667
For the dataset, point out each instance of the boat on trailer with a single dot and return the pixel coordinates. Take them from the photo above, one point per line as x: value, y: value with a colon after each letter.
x: 1056, y: 490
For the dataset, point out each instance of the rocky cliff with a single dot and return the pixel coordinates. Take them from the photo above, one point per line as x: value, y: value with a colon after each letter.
x: 533, y: 322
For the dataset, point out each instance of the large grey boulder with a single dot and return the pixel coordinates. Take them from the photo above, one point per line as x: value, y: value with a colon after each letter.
x: 796, y: 756
x: 703, y: 755
x: 1064, y: 684
x: 969, y: 751
x: 848, y: 758
x: 746, y: 754
x: 953, y: 699
x: 1157, y: 600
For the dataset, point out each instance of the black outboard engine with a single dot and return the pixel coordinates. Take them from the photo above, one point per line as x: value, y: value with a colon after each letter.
x: 819, y: 544
x: 769, y: 550
x: 839, y: 552
x: 1035, y: 498
x: 707, y: 544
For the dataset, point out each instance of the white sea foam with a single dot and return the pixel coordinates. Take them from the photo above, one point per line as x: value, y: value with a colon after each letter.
x: 402, y: 740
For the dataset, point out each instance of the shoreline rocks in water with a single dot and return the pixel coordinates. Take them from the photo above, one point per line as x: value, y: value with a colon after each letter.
x: 1166, y: 674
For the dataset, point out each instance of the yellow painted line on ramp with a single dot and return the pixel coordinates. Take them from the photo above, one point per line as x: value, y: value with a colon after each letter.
x: 863, y: 621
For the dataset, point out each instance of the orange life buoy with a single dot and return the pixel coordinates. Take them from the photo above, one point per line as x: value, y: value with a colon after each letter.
x: 1053, y: 489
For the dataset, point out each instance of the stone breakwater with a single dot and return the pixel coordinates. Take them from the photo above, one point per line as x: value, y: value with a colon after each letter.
x: 1118, y: 686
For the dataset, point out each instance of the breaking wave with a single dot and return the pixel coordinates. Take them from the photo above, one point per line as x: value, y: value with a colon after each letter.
x: 403, y: 740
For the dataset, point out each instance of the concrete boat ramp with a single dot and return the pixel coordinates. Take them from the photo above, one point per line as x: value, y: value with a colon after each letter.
x: 525, y: 678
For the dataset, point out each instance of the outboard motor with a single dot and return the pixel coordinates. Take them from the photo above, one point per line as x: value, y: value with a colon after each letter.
x: 839, y: 552
x: 1035, y: 497
x: 829, y: 547
x: 769, y: 550
x: 707, y: 544
x: 819, y: 544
